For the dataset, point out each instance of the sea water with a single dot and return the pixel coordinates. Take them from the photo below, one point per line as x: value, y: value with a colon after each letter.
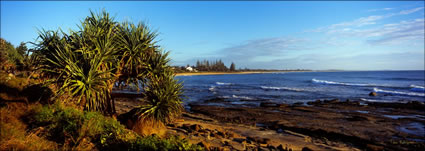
x: 293, y: 87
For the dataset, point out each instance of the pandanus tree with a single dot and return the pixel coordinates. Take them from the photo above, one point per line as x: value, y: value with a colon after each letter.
x: 86, y: 64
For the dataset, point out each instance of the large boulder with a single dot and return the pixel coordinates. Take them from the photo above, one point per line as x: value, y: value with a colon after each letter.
x: 373, y: 94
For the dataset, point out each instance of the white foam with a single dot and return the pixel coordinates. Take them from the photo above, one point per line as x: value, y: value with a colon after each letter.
x: 212, y: 88
x: 417, y: 88
x: 372, y: 100
x: 242, y: 97
x: 281, y: 88
x: 225, y: 97
x: 398, y: 92
x: 236, y: 97
x: 340, y: 83
x: 222, y: 83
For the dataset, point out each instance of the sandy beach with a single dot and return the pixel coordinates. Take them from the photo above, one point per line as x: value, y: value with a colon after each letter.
x: 221, y: 73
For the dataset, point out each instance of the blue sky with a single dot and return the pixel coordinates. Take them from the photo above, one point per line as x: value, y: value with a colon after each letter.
x: 358, y: 35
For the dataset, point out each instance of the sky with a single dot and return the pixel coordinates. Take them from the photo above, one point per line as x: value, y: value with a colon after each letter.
x: 360, y: 35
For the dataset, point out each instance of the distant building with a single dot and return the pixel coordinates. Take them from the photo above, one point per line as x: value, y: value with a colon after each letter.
x: 189, y: 69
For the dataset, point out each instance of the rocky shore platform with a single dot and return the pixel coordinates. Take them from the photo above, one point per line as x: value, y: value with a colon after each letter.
x: 318, y: 125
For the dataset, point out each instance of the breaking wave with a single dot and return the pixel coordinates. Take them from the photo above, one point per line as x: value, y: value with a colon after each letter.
x: 373, y: 100
x: 417, y: 88
x: 339, y: 83
x: 281, y: 88
x: 398, y: 92
x: 236, y: 97
x: 222, y: 83
x: 348, y: 84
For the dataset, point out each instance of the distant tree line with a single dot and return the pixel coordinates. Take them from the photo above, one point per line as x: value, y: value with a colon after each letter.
x: 216, y: 65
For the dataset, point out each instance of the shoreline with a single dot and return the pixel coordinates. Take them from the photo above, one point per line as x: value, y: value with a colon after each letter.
x: 225, y: 73
x: 320, y: 125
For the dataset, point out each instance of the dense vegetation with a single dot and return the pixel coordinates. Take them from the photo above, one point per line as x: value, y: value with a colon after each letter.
x: 206, y: 65
x: 58, y: 127
x: 86, y: 64
x: 78, y: 71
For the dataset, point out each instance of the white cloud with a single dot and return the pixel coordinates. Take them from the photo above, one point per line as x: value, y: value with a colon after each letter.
x: 381, y: 9
x: 391, y: 33
x: 405, y: 12
x: 266, y: 47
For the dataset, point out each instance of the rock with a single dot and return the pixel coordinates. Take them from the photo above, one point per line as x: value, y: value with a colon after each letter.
x: 373, y: 94
x: 230, y: 134
x: 271, y: 147
x: 283, y: 105
x: 259, y: 140
x: 179, y: 120
x: 374, y: 147
x: 262, y: 148
x: 317, y: 102
x: 264, y: 140
x: 298, y: 104
x: 249, y: 142
x: 186, y: 126
x: 280, y: 148
x: 216, y: 134
x: 357, y: 118
x: 279, y: 130
x: 332, y: 101
x: 208, y: 135
x: 239, y: 140
x: 203, y: 131
x: 181, y: 130
x: 205, y: 145
x: 263, y: 145
x: 237, y: 146
x: 306, y: 149
x: 221, y: 134
x: 195, y: 127
x: 269, y: 104
x: 251, y: 138
x: 225, y: 149
x: 219, y: 148
x: 225, y: 142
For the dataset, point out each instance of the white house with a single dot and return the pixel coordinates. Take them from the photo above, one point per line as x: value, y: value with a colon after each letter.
x: 189, y: 69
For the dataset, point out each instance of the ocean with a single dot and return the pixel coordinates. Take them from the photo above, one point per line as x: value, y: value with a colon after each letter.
x: 302, y: 87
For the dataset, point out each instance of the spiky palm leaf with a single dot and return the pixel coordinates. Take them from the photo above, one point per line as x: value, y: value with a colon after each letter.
x: 84, y: 79
x: 135, y: 43
x: 163, y: 99
x: 86, y: 63
x: 81, y: 63
x: 163, y: 92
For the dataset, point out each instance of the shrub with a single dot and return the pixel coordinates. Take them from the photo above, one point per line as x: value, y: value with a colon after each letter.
x: 60, y: 122
x: 72, y: 127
